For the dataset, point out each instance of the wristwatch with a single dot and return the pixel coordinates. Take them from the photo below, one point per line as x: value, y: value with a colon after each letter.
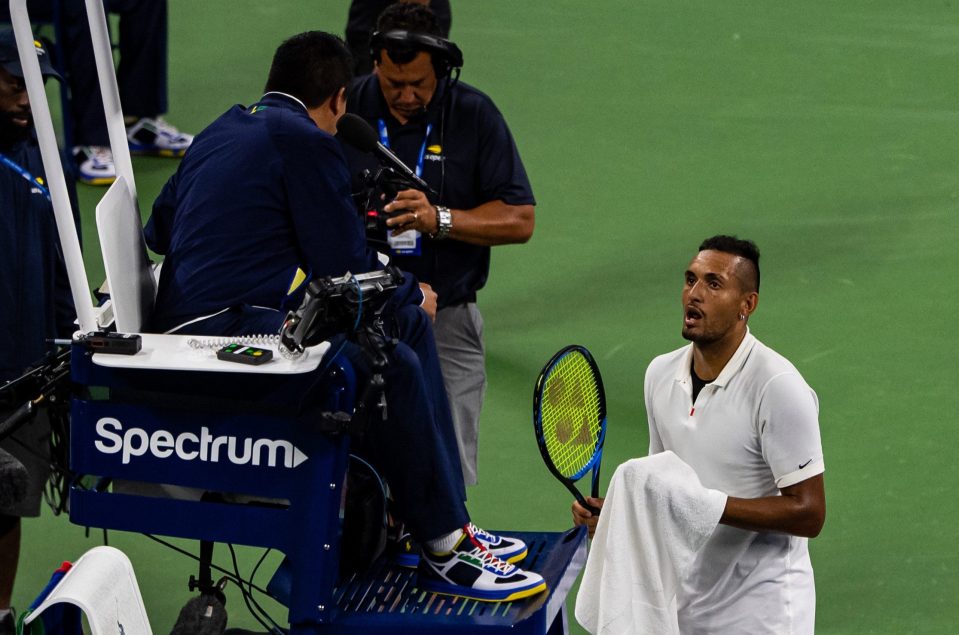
x: 444, y: 223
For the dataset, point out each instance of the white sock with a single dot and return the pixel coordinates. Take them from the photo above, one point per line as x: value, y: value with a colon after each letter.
x: 444, y: 544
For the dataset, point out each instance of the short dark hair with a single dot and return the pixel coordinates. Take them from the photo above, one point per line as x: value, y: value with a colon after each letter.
x: 746, y: 249
x: 311, y: 66
x: 410, y: 17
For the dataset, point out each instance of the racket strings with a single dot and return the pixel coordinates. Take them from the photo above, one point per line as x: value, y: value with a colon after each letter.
x: 571, y: 414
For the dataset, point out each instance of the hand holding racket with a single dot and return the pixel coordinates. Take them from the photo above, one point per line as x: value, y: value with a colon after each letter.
x: 569, y: 418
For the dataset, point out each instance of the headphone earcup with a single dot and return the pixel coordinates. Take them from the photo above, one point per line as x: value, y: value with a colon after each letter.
x: 441, y: 65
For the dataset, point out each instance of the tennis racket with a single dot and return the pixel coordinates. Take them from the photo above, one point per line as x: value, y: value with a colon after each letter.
x: 569, y: 418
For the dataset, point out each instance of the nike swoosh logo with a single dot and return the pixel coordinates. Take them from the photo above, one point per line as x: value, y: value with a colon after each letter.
x: 805, y: 464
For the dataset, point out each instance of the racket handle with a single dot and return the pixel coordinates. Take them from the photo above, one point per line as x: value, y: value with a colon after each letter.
x: 594, y: 489
x: 582, y: 499
x: 593, y: 510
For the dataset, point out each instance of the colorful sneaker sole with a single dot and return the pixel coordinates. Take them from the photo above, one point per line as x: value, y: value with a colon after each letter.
x: 445, y: 588
x: 514, y: 557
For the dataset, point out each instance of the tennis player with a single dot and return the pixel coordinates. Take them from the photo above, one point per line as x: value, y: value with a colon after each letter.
x: 744, y: 419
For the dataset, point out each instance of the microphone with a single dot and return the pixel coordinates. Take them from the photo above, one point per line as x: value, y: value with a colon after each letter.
x: 14, y: 480
x: 354, y: 130
x: 202, y: 615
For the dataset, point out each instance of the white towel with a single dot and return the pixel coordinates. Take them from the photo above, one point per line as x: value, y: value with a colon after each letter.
x: 657, y: 515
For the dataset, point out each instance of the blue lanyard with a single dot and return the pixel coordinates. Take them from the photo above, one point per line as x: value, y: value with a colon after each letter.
x: 34, y: 180
x: 385, y: 140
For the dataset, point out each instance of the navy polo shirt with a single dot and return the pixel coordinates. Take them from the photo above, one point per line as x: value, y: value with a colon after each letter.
x: 471, y: 159
x: 34, y: 289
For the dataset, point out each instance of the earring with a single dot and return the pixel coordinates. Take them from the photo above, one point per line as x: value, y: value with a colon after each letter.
x: 742, y: 317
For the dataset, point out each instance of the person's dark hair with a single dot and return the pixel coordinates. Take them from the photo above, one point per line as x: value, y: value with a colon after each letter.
x: 746, y: 249
x: 311, y: 66
x: 406, y: 16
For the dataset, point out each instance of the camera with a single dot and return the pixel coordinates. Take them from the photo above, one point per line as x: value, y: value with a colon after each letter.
x: 351, y: 304
x: 380, y: 186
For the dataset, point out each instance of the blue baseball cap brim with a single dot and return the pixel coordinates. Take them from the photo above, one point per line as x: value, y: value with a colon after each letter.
x: 10, y: 57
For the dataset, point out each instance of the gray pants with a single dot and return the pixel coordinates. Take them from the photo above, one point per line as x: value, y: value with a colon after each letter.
x: 459, y: 342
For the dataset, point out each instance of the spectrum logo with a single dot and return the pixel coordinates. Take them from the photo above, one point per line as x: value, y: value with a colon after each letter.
x: 188, y: 446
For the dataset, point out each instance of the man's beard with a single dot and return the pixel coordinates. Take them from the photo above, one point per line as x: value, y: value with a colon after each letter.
x: 701, y: 338
x: 11, y: 133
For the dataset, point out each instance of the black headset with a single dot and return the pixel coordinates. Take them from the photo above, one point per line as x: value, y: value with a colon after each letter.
x: 447, y: 57
x: 447, y: 61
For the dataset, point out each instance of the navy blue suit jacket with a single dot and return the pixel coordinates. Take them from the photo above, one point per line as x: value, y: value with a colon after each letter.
x: 261, y: 193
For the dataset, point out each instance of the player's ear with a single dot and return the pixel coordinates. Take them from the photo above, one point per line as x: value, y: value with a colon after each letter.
x: 749, y: 303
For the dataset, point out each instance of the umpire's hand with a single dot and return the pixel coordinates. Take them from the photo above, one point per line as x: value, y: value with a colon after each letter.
x: 582, y: 516
x: 429, y: 301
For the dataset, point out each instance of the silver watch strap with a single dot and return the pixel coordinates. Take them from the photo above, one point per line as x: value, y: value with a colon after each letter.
x: 444, y: 223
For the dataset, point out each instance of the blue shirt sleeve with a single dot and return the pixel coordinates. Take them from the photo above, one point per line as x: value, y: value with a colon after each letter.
x: 158, y: 227
x: 502, y: 175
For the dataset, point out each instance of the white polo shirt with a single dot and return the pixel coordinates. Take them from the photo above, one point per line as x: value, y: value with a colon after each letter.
x: 751, y: 431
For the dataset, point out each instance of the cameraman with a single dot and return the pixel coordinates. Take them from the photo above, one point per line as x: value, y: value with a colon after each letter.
x: 34, y: 294
x: 263, y: 195
x: 459, y: 143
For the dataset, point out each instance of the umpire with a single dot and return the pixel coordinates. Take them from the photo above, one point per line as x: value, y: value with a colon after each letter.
x: 458, y: 142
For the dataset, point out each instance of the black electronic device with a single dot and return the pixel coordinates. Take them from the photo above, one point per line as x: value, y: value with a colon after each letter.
x: 111, y: 343
x: 351, y: 304
x: 446, y: 56
x: 380, y: 186
x: 243, y: 354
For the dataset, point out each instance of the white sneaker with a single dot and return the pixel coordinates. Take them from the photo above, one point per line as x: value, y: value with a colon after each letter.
x: 471, y: 571
x: 95, y: 165
x: 155, y: 136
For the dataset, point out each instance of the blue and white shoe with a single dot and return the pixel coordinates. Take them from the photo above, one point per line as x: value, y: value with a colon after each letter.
x: 154, y: 136
x: 94, y: 165
x: 472, y: 572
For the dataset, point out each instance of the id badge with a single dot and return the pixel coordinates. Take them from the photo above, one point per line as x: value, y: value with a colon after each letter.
x: 405, y: 244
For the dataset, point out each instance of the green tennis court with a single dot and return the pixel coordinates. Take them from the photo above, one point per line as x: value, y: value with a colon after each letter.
x: 824, y: 131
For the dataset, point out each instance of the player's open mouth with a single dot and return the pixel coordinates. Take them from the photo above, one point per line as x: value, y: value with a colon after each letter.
x: 691, y: 316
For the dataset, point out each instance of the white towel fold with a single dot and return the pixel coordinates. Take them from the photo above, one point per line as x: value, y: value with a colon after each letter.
x: 657, y: 515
